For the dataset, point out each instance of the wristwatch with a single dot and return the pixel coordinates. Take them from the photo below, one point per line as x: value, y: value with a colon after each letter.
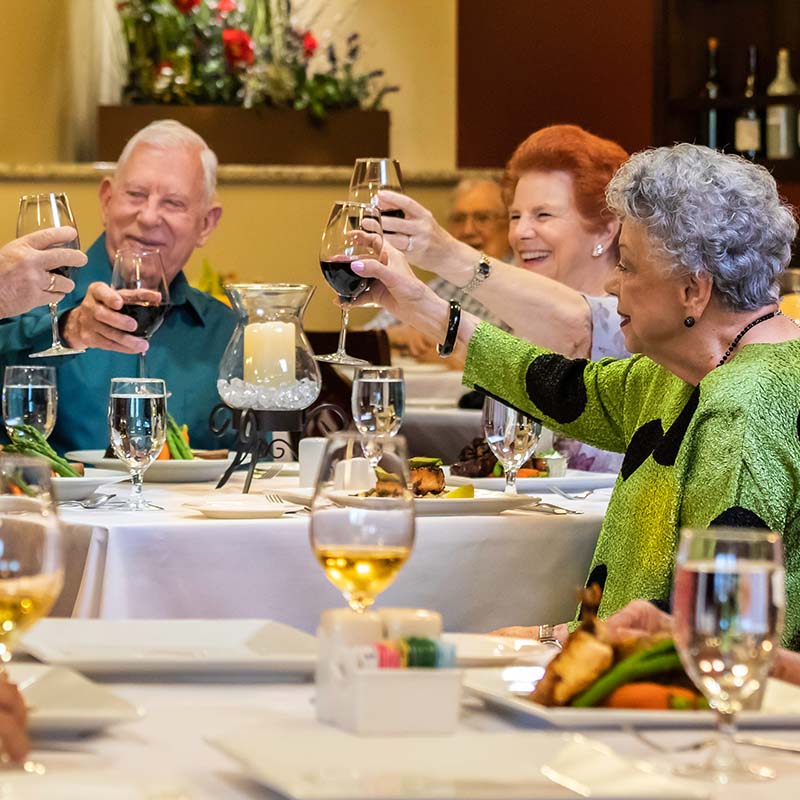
x: 482, y: 270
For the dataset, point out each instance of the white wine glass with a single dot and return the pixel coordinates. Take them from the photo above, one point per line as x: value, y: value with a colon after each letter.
x: 50, y: 210
x: 512, y: 437
x: 370, y: 175
x: 139, y: 277
x: 30, y: 397
x: 378, y: 404
x: 728, y: 603
x: 137, y: 421
x: 353, y: 232
x: 362, y: 532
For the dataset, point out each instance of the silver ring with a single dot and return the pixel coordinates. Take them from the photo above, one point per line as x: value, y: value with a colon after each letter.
x: 52, y: 282
x: 410, y: 242
x: 547, y: 635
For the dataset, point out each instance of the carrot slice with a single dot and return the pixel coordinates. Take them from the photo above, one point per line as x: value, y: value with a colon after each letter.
x: 649, y: 696
x: 528, y: 472
x: 165, y: 454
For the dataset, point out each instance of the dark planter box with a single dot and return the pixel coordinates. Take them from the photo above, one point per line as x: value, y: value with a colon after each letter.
x: 257, y: 135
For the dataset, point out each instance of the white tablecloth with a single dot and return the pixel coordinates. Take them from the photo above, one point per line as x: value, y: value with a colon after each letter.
x: 479, y: 572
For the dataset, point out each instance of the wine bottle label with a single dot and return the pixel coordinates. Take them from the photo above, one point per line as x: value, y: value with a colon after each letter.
x: 781, y: 132
x: 747, y: 135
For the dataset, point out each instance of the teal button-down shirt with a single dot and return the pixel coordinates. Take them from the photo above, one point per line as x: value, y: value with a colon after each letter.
x: 185, y: 351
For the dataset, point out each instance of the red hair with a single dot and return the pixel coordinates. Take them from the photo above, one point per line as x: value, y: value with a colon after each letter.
x: 588, y: 159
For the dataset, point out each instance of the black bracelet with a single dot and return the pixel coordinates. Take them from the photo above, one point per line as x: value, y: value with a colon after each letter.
x: 446, y: 348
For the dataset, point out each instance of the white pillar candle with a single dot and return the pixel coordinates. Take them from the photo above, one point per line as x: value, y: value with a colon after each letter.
x: 269, y: 352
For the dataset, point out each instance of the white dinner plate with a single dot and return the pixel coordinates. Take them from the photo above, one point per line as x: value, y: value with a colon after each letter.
x: 504, y: 688
x: 468, y: 764
x: 65, y: 489
x: 114, y: 647
x: 432, y: 402
x: 243, y: 506
x: 576, y: 480
x: 171, y: 471
x: 483, y: 650
x: 63, y: 702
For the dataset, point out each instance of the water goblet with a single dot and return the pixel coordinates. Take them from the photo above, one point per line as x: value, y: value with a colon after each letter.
x: 512, y: 437
x: 30, y: 397
x: 378, y: 405
x: 137, y: 420
x: 362, y: 539
x: 729, y: 606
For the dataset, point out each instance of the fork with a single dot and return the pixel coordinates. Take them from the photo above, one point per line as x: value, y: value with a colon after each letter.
x: 276, y: 498
x: 739, y: 738
x: 573, y: 496
x: 270, y: 471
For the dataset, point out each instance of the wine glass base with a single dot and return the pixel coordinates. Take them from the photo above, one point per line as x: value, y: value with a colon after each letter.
x: 738, y: 772
x: 58, y: 350
x: 344, y: 360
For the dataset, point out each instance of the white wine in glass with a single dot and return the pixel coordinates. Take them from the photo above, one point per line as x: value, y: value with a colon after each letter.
x: 50, y: 210
x: 728, y: 603
x: 30, y: 397
x: 360, y: 539
x: 512, y: 437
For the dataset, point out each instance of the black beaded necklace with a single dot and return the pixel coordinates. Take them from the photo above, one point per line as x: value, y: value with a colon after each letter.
x: 743, y: 331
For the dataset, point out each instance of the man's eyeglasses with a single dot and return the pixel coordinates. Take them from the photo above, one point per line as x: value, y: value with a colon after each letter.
x: 479, y: 218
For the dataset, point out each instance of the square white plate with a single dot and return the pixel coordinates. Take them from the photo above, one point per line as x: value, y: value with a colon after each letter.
x: 172, y: 471
x: 66, y: 489
x: 576, y: 480
x: 483, y: 650
x: 309, y: 761
x: 502, y: 688
x: 63, y: 702
x: 166, y: 647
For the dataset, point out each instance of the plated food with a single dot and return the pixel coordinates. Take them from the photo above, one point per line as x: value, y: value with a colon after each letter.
x: 477, y: 460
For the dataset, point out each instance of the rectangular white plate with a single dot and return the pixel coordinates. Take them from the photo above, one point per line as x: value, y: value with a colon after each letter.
x: 483, y: 650
x: 781, y: 706
x: 576, y: 480
x: 113, y: 647
x: 63, y: 702
x: 66, y: 489
x: 172, y: 471
x: 310, y: 761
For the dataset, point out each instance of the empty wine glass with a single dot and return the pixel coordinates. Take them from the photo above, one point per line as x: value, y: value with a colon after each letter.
x: 512, y: 437
x: 139, y: 277
x: 30, y: 397
x: 51, y: 210
x: 378, y: 403
x: 370, y: 175
x: 353, y: 232
x: 137, y: 420
x: 362, y: 536
x: 728, y: 603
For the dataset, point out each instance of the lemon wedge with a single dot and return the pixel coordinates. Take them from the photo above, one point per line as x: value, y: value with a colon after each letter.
x: 467, y: 490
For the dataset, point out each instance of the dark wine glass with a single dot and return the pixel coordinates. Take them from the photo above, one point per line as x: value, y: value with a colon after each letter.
x: 353, y: 232
x: 50, y: 210
x: 139, y: 277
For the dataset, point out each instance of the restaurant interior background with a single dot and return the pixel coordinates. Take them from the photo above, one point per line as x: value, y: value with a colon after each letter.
x: 475, y: 79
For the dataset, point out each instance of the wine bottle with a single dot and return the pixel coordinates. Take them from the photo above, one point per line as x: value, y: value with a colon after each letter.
x: 747, y: 131
x: 711, y: 92
x: 781, y: 118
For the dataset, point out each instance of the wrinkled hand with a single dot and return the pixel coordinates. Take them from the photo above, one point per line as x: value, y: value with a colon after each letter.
x: 25, y: 279
x: 412, y: 341
x: 638, y: 617
x: 97, y: 323
x: 431, y: 244
x: 561, y: 632
x: 13, y: 716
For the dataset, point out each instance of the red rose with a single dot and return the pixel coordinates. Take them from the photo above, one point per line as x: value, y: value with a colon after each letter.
x: 310, y: 44
x: 186, y: 6
x: 225, y: 6
x: 238, y: 47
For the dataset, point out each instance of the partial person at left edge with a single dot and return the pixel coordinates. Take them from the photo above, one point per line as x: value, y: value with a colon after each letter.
x: 162, y: 195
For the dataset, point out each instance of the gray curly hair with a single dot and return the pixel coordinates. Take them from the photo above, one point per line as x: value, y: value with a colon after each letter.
x: 712, y: 213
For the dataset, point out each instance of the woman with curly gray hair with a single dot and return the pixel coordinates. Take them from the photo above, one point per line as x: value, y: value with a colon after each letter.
x: 707, y: 413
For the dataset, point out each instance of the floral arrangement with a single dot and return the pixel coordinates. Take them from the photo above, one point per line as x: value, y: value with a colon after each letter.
x: 239, y: 52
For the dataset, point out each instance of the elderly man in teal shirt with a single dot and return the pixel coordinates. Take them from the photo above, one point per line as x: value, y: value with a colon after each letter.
x: 162, y: 195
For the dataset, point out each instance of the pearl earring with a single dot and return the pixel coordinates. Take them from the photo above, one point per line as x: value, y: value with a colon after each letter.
x: 598, y: 250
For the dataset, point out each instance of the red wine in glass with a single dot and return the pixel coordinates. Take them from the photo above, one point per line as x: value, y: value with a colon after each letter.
x: 343, y: 280
x: 148, y: 317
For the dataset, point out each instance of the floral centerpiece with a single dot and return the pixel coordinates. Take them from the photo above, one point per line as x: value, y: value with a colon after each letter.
x: 239, y: 52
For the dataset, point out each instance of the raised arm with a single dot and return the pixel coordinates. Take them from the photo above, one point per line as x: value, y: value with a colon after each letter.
x: 536, y: 308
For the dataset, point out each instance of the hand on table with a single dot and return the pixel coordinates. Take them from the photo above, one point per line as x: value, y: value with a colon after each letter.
x: 561, y: 632
x: 13, y: 716
x: 96, y: 322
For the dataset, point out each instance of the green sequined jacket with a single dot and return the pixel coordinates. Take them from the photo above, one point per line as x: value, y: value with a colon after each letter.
x: 724, y: 452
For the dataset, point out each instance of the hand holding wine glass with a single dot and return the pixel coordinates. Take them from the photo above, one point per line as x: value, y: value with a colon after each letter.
x: 511, y: 436
x: 361, y: 546
x: 139, y: 278
x: 353, y: 232
x: 370, y: 175
x: 30, y: 397
x: 51, y: 210
x: 378, y: 405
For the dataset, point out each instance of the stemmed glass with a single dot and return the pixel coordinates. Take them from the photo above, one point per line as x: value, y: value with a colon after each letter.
x: 728, y: 603
x: 139, y: 277
x: 353, y: 232
x: 51, y: 210
x: 362, y: 540
x: 378, y: 404
x: 512, y: 437
x: 137, y: 419
x: 370, y: 175
x: 30, y: 397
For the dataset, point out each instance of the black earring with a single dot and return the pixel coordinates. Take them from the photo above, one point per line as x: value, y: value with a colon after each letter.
x: 689, y: 322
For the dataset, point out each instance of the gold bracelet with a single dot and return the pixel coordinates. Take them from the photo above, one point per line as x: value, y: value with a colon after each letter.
x: 482, y: 270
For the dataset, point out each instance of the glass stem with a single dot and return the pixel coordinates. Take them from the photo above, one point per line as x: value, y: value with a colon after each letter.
x: 137, y: 498
x: 142, y: 366
x: 723, y: 758
x: 54, y: 324
x: 511, y: 481
x: 340, y: 351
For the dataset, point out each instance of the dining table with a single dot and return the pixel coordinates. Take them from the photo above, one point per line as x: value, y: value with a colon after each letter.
x: 480, y: 571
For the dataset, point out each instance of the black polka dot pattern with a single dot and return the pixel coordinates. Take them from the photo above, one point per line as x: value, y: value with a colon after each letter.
x: 798, y: 426
x: 641, y: 446
x: 555, y: 385
x: 666, y: 451
x: 598, y: 575
x: 739, y: 517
